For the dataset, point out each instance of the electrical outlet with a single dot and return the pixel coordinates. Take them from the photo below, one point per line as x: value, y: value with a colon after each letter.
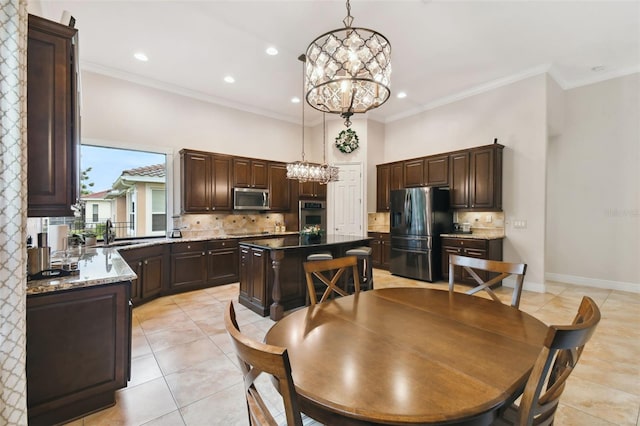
x: 520, y: 224
x: 488, y: 218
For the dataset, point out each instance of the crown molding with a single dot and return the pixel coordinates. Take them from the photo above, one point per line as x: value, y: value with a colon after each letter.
x: 483, y: 88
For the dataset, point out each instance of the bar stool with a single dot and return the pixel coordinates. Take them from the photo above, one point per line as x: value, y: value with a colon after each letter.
x: 366, y: 275
x: 323, y: 255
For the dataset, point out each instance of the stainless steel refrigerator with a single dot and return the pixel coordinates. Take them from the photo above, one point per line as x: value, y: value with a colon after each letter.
x: 418, y: 217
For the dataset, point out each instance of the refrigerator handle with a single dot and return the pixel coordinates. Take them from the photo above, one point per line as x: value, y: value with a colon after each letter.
x: 408, y: 209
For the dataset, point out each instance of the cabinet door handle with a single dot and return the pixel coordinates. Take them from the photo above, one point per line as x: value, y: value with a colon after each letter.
x: 146, y: 263
x: 139, y: 263
x: 203, y: 253
x: 207, y: 208
x: 210, y: 252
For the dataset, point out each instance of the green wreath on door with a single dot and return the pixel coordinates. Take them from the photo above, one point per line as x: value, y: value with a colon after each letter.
x: 347, y: 141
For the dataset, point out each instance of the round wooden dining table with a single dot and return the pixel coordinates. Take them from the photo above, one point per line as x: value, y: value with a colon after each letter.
x: 408, y: 356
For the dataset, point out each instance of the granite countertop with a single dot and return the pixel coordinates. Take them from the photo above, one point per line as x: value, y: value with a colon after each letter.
x: 199, y: 236
x: 294, y: 242
x: 103, y: 265
x: 96, y: 266
x: 476, y: 236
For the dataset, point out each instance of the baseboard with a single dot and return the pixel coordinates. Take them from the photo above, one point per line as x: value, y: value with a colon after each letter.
x: 593, y: 282
x: 528, y: 286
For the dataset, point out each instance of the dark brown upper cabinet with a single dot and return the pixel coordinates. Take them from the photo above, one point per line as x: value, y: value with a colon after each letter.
x: 427, y: 171
x: 476, y: 178
x: 312, y: 190
x: 205, y: 182
x: 459, y: 180
x: 250, y: 173
x: 52, y: 118
x: 485, y: 184
x: 279, y: 187
x: 390, y: 176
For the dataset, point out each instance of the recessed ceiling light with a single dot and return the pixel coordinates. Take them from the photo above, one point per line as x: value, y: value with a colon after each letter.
x: 295, y: 100
x: 141, y: 56
x: 401, y: 95
x: 229, y: 79
x: 272, y: 51
x: 598, y: 68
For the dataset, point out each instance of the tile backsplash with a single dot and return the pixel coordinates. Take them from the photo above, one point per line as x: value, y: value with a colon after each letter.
x: 481, y: 222
x: 229, y: 223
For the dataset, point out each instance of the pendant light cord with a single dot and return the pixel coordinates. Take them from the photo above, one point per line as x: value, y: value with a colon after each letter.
x: 302, y: 58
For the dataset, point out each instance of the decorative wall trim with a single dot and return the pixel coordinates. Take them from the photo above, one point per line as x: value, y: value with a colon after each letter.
x: 593, y: 282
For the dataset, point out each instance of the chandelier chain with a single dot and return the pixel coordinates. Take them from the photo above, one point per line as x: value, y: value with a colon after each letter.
x: 348, y: 20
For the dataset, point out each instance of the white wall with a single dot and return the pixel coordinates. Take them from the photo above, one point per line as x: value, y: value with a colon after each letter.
x: 594, y: 187
x: 118, y: 110
x: 516, y: 115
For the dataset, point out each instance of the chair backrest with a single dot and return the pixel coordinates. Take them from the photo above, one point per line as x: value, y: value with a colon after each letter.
x: 502, y: 269
x: 339, y: 265
x: 560, y: 354
x: 256, y: 358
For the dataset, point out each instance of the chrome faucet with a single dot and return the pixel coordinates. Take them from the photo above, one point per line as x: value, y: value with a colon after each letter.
x: 109, y: 235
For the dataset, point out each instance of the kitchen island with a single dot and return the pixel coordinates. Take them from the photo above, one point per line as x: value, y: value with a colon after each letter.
x: 78, y: 338
x: 271, y: 274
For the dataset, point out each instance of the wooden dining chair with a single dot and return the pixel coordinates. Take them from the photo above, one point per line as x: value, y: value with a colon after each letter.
x: 559, y: 356
x: 256, y: 358
x: 321, y: 269
x: 502, y: 269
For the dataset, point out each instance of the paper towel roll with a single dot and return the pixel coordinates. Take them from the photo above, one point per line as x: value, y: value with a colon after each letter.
x: 58, y: 237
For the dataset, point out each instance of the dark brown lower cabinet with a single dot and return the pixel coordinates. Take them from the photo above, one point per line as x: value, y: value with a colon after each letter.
x: 380, y: 249
x: 151, y: 266
x: 470, y: 247
x: 188, y: 266
x: 78, y: 351
x: 222, y: 262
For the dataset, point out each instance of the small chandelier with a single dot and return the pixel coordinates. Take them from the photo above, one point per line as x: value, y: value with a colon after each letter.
x: 308, y: 172
x: 348, y: 70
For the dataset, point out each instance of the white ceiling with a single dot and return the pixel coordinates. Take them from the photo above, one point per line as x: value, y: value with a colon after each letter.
x: 441, y: 50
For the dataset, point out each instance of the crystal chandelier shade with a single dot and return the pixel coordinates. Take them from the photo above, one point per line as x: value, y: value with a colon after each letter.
x: 348, y: 70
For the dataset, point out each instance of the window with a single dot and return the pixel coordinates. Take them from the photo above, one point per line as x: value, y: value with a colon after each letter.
x: 127, y: 186
x: 158, y: 210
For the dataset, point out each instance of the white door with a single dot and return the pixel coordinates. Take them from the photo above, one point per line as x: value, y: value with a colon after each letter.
x: 346, y: 196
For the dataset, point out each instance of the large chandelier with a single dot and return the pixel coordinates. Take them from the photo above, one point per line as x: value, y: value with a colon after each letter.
x: 348, y: 70
x: 309, y: 172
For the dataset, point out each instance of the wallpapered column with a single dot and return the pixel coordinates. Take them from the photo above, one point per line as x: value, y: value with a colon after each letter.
x: 13, y: 210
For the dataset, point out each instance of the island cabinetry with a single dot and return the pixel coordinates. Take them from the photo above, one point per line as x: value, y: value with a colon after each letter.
x: 389, y: 177
x: 150, y: 265
x: 52, y: 118
x: 380, y: 249
x: 478, y: 248
x: 78, y: 351
x: 312, y: 190
x: 205, y: 182
x: 279, y: 187
x: 253, y: 279
x: 188, y: 266
x: 250, y: 173
x: 222, y: 262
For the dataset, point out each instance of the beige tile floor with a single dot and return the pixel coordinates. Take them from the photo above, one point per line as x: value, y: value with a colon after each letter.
x: 184, y: 371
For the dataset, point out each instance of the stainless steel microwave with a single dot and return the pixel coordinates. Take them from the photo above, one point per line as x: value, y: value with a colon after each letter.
x: 250, y: 199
